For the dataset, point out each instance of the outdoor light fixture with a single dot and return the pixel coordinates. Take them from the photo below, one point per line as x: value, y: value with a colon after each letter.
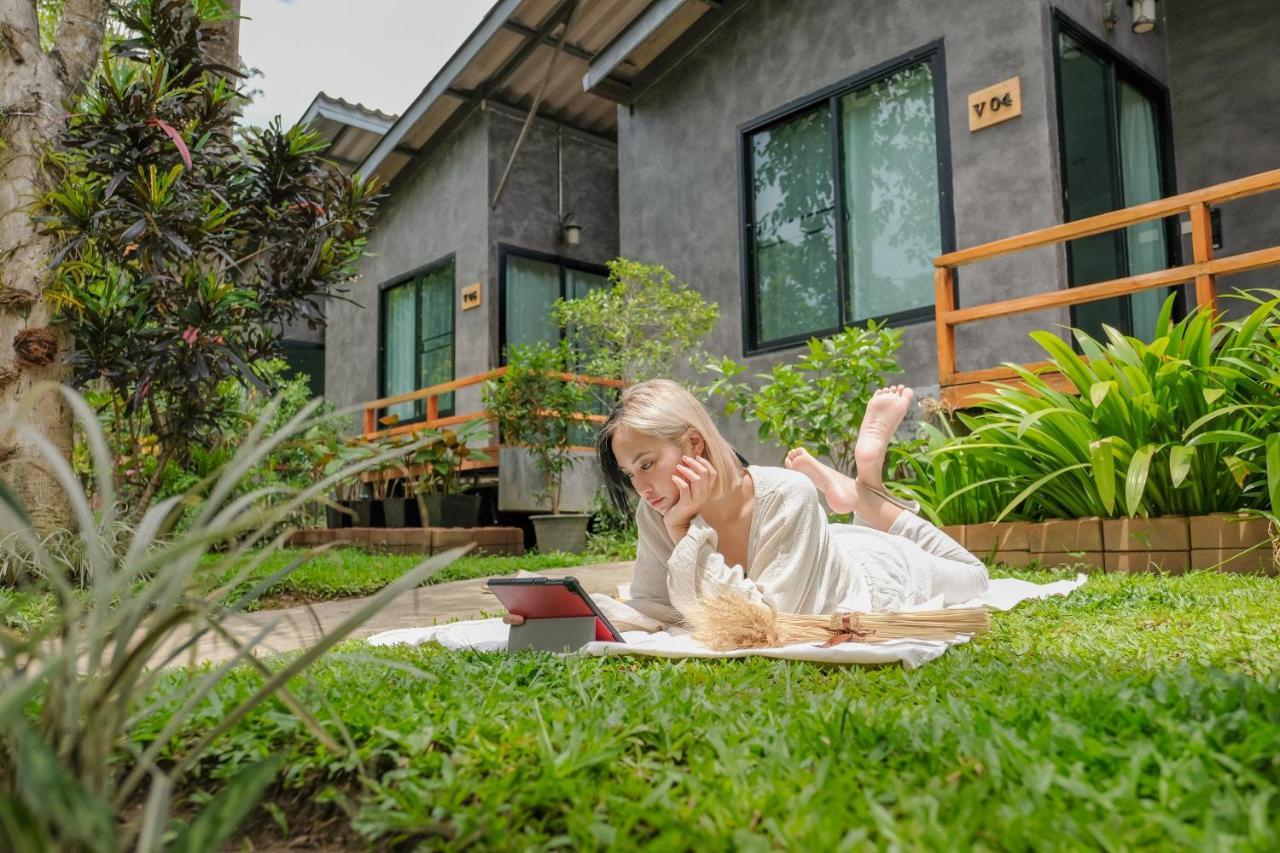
x: 1144, y: 15
x: 570, y: 231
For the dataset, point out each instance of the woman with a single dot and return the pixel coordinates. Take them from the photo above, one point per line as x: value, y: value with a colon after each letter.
x: 709, y: 524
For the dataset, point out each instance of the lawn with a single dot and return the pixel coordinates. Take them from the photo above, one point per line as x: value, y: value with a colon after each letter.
x: 350, y: 572
x: 1140, y: 711
x: 334, y: 574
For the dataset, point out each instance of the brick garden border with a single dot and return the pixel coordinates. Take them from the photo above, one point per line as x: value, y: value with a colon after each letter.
x: 415, y: 540
x: 1227, y: 542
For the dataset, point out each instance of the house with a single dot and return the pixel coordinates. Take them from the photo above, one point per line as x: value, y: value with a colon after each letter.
x: 800, y: 162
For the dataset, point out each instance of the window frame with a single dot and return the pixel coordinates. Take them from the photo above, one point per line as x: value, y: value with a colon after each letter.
x: 401, y: 280
x: 934, y: 54
x: 506, y: 251
x: 1120, y: 68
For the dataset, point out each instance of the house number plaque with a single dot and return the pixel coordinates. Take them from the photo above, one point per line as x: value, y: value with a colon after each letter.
x: 471, y: 296
x: 995, y: 104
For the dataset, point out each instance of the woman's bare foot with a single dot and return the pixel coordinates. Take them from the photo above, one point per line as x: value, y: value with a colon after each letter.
x: 885, y: 412
x: 840, y: 491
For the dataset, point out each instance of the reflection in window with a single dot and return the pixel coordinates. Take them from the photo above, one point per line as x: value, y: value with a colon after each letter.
x: 883, y: 180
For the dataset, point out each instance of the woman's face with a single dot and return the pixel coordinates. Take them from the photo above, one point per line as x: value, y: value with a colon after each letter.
x: 649, y: 462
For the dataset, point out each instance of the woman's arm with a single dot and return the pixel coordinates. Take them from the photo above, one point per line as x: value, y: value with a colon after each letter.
x: 791, y: 550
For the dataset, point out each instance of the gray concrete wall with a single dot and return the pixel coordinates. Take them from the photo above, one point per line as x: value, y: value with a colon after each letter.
x: 679, y: 174
x: 1225, y: 64
x: 438, y: 208
x: 527, y: 213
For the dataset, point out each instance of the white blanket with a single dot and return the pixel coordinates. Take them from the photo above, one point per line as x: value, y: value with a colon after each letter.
x: 491, y: 635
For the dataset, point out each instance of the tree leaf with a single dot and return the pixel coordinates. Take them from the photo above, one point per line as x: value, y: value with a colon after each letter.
x: 1273, y: 470
x: 1102, y: 454
x: 1180, y: 457
x: 1135, y: 481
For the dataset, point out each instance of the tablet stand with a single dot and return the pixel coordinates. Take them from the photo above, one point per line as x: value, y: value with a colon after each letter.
x: 566, y: 634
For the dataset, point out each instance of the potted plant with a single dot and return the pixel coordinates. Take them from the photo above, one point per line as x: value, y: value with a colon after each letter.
x: 537, y: 409
x: 435, y: 467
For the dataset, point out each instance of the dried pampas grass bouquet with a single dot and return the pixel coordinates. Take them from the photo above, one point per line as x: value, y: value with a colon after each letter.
x: 728, y: 622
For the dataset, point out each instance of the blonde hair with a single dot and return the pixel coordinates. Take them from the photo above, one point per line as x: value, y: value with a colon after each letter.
x: 664, y: 410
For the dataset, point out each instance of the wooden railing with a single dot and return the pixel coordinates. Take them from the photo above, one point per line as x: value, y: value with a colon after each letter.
x: 432, y: 394
x: 960, y: 388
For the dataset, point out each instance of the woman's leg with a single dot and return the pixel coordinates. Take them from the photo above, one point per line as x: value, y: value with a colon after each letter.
x: 865, y: 496
x: 956, y: 573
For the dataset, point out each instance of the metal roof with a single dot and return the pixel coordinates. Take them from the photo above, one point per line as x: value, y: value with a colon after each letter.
x: 352, y: 129
x: 613, y: 51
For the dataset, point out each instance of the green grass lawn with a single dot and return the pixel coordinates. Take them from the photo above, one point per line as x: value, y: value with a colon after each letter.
x: 350, y: 572
x: 1140, y: 711
x: 334, y: 574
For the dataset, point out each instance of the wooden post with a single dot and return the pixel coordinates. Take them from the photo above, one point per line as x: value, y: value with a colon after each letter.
x: 433, y: 408
x: 944, y: 302
x: 370, y: 421
x: 1202, y: 251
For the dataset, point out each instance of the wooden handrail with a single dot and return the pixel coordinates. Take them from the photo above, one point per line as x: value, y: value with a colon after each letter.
x: 1158, y: 209
x: 432, y: 395
x: 960, y: 387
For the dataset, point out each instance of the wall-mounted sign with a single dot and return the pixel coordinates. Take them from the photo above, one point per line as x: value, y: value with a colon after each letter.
x: 995, y: 104
x: 471, y: 296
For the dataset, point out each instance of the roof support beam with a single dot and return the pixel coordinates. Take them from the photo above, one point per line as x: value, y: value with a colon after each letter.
x: 645, y: 25
x: 556, y: 16
x: 529, y: 32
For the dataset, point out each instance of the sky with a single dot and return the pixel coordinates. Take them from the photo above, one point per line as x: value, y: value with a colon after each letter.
x: 380, y: 53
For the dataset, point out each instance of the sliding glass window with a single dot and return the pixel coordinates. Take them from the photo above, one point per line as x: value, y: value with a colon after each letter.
x: 845, y: 206
x: 531, y: 283
x: 417, y: 338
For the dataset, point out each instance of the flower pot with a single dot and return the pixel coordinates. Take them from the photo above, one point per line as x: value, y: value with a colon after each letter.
x: 368, y: 513
x: 564, y: 532
x: 451, y: 510
x: 401, y: 512
x: 335, y: 518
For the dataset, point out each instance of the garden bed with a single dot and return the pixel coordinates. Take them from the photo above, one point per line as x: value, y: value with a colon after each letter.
x: 1227, y: 542
x: 507, y: 541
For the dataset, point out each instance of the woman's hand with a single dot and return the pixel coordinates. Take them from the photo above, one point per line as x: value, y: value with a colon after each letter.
x: 695, y: 480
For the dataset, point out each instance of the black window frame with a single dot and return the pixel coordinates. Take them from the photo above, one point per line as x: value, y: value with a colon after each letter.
x: 506, y: 251
x: 1121, y: 68
x: 399, y: 281
x: 934, y: 53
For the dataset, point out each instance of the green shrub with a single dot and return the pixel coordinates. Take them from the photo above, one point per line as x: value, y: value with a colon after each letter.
x: 818, y: 401
x: 1184, y: 425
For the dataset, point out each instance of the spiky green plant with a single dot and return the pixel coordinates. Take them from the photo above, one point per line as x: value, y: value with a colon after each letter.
x: 1186, y: 424
x: 74, y: 687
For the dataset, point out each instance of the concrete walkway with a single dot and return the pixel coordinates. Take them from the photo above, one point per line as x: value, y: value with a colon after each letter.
x: 300, y: 627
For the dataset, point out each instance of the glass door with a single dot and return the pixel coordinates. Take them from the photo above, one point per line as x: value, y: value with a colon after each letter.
x: 1113, y: 157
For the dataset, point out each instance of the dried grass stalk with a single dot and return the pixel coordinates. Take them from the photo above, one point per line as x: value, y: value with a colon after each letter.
x: 726, y: 622
x: 8, y: 375
x: 36, y: 347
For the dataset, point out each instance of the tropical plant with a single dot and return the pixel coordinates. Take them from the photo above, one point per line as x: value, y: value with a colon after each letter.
x: 1184, y: 425
x: 537, y: 404
x: 818, y: 401
x: 74, y: 687
x: 183, y: 251
x: 951, y: 488
x: 435, y: 465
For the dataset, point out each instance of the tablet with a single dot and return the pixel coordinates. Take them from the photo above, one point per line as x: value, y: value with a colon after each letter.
x: 549, y: 598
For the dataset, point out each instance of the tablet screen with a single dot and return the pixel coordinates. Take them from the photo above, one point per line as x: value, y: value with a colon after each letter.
x: 551, y: 598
